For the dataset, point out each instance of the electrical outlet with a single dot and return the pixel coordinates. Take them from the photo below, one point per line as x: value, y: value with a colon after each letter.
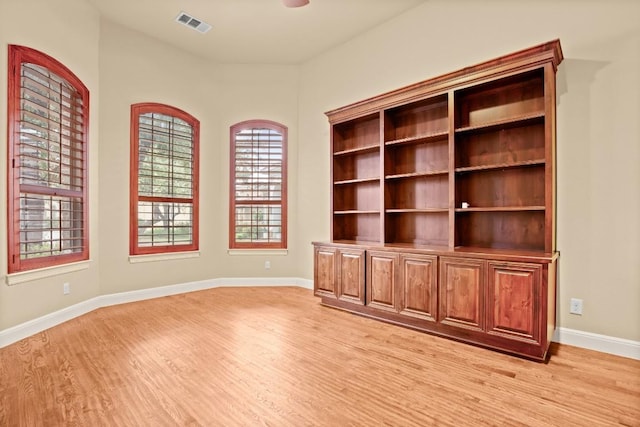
x: 576, y: 306
x: 267, y: 265
x: 66, y: 288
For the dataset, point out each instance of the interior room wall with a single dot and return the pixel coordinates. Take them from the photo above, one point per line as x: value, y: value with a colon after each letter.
x: 67, y: 30
x: 598, y: 206
x: 267, y: 92
x: 598, y: 137
x: 108, y: 56
x: 165, y: 75
x: 218, y: 96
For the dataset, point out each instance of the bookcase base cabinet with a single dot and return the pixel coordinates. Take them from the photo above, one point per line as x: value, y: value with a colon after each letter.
x: 503, y: 301
x: 339, y: 274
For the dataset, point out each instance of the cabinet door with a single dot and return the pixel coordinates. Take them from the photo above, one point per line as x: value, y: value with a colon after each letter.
x: 514, y: 300
x: 462, y: 289
x: 351, y: 275
x: 325, y: 281
x: 382, y: 272
x: 418, y: 291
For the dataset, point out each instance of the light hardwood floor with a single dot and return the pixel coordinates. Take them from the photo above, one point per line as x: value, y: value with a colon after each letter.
x: 275, y: 357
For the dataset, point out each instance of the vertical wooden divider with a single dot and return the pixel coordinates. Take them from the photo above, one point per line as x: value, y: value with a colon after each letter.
x: 452, y: 172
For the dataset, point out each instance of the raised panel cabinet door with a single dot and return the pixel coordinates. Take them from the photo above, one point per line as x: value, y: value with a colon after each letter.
x: 381, y: 280
x: 462, y: 289
x: 419, y: 286
x: 351, y: 275
x: 325, y: 281
x: 514, y: 300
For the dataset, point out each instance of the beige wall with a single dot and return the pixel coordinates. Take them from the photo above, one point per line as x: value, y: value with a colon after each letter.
x: 218, y: 96
x: 69, y: 31
x: 598, y: 137
x: 165, y: 75
x: 598, y: 131
x: 106, y: 55
x: 263, y: 92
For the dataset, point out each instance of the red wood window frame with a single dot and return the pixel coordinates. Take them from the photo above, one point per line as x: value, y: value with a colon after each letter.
x: 164, y: 180
x: 47, y: 133
x: 258, y: 185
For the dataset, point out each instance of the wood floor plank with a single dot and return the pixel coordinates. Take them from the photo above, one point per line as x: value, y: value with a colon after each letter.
x: 276, y: 357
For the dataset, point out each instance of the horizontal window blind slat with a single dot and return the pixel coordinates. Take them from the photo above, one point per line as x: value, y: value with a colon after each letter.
x: 185, y: 200
x: 29, y: 118
x: 45, y: 74
x: 45, y: 190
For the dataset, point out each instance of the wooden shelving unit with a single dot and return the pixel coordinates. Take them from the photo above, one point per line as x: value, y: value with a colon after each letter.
x: 356, y: 175
x: 416, y: 171
x: 443, y: 199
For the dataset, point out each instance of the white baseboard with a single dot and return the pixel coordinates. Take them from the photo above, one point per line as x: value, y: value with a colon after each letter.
x: 602, y: 343
x: 162, y: 291
x: 271, y: 281
x: 32, y: 327
x: 35, y: 326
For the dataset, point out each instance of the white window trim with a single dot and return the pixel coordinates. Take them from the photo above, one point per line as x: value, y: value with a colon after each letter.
x: 43, y: 273
x: 138, y: 259
x: 275, y: 252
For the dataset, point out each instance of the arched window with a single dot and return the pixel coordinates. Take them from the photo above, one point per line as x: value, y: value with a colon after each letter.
x: 258, y: 193
x: 164, y: 180
x: 48, y: 121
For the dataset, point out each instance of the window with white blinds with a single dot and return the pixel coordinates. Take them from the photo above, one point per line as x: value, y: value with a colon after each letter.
x: 164, y: 177
x: 48, y: 114
x: 258, y: 205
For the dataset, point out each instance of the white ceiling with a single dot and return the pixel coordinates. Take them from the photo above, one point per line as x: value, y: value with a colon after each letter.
x: 254, y: 31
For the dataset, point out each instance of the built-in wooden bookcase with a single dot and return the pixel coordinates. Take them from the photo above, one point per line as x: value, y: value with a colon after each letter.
x: 451, y: 179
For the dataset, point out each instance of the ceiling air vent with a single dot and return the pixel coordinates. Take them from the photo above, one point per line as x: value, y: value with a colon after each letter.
x: 191, y: 22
